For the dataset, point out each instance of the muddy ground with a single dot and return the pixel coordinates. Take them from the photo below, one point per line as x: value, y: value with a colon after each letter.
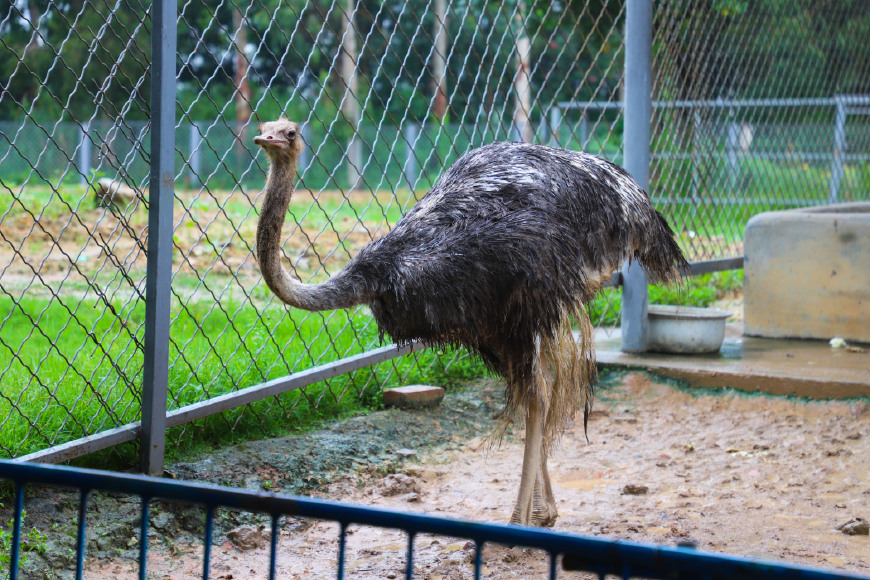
x: 756, y: 476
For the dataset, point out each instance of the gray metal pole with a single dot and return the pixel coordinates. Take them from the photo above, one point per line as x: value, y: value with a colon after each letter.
x: 555, y: 125
x: 195, y: 154
x: 731, y: 147
x: 837, y: 170
x: 697, y: 143
x: 636, y: 139
x: 85, y: 154
x: 160, y: 199
x: 411, y: 133
x: 305, y: 156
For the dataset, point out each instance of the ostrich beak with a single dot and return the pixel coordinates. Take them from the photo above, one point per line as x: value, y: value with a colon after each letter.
x: 269, y: 139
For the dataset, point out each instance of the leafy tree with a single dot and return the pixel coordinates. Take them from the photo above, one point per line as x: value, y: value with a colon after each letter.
x: 766, y: 48
x: 91, y: 57
x: 77, y: 58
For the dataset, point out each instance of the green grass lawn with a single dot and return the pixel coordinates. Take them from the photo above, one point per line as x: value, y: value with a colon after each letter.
x: 70, y: 369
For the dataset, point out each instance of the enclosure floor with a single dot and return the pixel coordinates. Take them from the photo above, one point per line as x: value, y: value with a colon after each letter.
x: 804, y: 368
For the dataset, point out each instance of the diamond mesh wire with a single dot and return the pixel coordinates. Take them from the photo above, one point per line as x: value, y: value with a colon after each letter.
x: 388, y: 94
x: 746, y: 114
x: 71, y: 270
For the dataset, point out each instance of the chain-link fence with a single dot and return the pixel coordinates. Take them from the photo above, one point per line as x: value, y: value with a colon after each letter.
x: 745, y: 118
x: 758, y: 106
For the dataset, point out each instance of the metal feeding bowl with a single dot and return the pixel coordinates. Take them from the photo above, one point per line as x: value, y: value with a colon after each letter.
x: 686, y: 329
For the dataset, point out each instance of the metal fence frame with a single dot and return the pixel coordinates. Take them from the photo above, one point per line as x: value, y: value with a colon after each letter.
x: 156, y: 419
x: 579, y: 553
x: 155, y: 416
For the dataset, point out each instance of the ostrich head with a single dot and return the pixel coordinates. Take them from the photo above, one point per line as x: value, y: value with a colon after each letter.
x: 282, y: 143
x: 280, y: 139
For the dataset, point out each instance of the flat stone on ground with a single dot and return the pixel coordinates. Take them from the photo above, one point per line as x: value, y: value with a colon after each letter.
x: 413, y: 396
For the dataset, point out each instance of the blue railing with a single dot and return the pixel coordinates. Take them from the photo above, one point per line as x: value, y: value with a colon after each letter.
x: 597, y: 555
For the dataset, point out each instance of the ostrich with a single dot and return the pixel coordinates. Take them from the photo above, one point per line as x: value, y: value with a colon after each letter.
x: 498, y: 257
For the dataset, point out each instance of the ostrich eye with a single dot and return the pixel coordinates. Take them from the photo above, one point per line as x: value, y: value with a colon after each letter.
x: 291, y: 134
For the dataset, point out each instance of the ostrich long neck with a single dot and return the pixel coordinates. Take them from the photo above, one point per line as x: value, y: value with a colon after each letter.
x: 330, y: 295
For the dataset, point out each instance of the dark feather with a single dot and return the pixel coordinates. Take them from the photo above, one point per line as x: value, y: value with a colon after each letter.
x: 509, y: 239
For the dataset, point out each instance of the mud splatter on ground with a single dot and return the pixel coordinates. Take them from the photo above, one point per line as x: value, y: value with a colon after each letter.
x: 754, y: 476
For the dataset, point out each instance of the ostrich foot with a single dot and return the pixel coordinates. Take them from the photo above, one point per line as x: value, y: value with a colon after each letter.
x: 540, y: 512
x: 548, y: 510
x: 544, y: 513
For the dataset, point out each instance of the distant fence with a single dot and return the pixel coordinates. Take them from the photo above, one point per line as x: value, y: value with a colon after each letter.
x: 731, y: 146
x: 214, y: 153
x: 728, y: 147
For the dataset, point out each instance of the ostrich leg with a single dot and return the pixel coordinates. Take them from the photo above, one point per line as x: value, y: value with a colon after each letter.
x: 545, y: 512
x: 532, y: 464
x: 536, y: 505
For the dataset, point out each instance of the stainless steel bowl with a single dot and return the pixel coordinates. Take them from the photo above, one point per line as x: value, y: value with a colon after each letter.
x: 686, y: 329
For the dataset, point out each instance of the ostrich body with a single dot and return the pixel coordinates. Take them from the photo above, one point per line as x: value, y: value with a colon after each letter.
x: 498, y: 256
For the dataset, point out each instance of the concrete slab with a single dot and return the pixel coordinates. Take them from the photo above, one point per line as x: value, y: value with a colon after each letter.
x: 803, y: 368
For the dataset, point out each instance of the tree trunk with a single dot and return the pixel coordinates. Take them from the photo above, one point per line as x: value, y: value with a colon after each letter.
x: 439, y: 60
x: 241, y: 84
x: 522, y: 82
x: 348, y: 83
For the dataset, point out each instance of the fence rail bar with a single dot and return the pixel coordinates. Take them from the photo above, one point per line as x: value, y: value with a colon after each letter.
x: 708, y: 266
x: 739, y: 202
x: 801, y: 156
x: 288, y: 383
x: 850, y: 100
x: 214, y: 405
x: 601, y: 555
x: 85, y: 445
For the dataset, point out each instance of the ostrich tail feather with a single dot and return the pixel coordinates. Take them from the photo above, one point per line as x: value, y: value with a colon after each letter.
x: 569, y: 373
x: 663, y: 260
x: 563, y: 377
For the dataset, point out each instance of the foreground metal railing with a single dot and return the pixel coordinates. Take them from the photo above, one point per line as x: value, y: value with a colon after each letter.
x: 597, y: 555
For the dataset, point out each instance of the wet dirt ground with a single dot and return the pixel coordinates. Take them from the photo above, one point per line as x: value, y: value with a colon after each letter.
x: 757, y: 476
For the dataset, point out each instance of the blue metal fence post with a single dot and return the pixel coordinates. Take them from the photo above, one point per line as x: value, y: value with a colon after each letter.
x: 81, y: 532
x: 160, y: 199
x: 15, y: 548
x: 143, y: 537
x: 636, y: 139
